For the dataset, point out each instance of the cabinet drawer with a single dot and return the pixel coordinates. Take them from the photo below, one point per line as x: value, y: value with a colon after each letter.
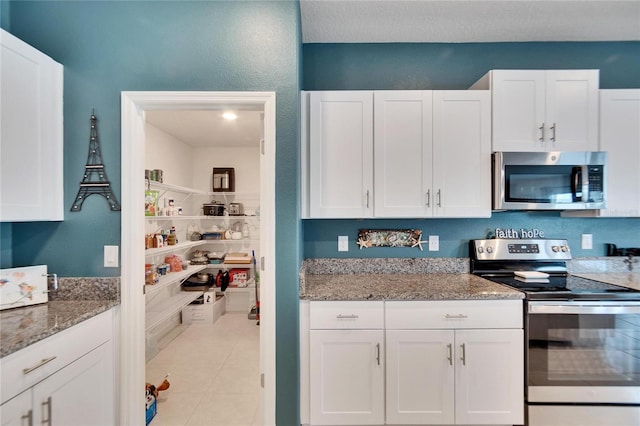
x: 453, y: 314
x: 346, y: 315
x: 26, y: 367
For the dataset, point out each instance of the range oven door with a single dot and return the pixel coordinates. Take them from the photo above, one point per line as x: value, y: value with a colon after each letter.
x: 583, y: 352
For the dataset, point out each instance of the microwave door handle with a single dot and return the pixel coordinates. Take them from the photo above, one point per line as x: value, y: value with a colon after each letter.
x: 575, y: 180
x: 585, y: 183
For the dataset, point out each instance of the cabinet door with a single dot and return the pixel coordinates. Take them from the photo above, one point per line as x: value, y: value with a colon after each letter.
x: 462, y: 153
x: 347, y: 377
x: 17, y: 411
x: 518, y: 110
x: 341, y: 154
x: 31, y: 133
x: 620, y: 137
x: 489, y: 382
x: 420, y: 377
x: 80, y: 394
x: 403, y: 153
x: 572, y: 110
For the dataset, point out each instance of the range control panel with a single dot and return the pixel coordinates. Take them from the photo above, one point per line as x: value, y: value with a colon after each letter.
x: 527, y: 249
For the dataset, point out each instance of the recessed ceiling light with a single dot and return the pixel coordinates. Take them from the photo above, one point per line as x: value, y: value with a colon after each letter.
x: 229, y: 116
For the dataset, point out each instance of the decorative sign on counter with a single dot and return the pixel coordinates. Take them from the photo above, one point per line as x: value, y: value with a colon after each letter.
x: 522, y: 233
x: 390, y: 238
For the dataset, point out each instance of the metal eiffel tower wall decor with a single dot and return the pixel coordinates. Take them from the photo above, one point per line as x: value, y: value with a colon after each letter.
x: 95, y: 179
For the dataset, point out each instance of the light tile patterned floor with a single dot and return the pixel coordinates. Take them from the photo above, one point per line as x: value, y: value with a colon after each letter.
x: 214, y: 375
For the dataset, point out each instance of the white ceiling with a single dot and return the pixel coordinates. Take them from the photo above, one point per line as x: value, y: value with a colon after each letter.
x: 457, y: 21
x: 208, y: 128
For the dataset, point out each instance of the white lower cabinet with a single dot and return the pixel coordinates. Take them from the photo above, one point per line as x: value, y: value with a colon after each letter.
x: 347, y: 377
x: 420, y: 377
x: 429, y: 363
x: 346, y: 343
x: 67, y: 385
x: 445, y: 366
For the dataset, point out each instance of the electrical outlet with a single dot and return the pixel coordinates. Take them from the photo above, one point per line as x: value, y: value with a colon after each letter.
x: 434, y: 243
x: 587, y: 242
x: 343, y: 243
x: 110, y: 256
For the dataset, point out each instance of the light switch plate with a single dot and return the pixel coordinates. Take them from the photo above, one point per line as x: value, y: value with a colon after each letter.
x: 434, y: 243
x: 343, y: 243
x: 110, y: 256
x: 587, y: 242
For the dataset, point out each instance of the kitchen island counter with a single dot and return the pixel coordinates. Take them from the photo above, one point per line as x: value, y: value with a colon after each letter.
x: 21, y: 327
x: 430, y: 286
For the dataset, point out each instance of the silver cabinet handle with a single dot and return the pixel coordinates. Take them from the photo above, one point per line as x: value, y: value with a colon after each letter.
x: 38, y: 365
x: 541, y: 128
x: 352, y: 316
x: 28, y: 417
x: 47, y: 403
x: 367, y: 198
x: 458, y: 316
x: 450, y: 356
x: 439, y: 199
x: 553, y: 133
x: 428, y: 198
x: 378, y: 353
x: 464, y: 355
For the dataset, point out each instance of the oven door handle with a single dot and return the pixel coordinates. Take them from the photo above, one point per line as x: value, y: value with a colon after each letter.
x: 618, y: 308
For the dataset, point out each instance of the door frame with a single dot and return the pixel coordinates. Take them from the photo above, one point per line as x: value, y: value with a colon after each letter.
x: 131, y: 359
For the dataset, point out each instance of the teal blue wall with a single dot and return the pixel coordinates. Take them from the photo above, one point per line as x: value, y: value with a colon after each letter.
x: 111, y: 46
x: 457, y: 66
x: 441, y: 66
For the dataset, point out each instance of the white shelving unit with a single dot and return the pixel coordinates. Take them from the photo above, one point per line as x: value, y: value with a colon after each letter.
x: 165, y: 309
x: 165, y: 299
x: 152, y: 290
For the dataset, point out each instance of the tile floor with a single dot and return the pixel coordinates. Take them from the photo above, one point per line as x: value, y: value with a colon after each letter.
x: 214, y: 374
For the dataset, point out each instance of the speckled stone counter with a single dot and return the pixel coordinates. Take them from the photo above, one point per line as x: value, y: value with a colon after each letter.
x: 435, y: 286
x: 396, y: 279
x: 624, y: 279
x: 21, y: 327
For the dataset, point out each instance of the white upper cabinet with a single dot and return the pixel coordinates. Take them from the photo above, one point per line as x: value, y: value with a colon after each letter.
x: 31, y: 135
x: 543, y: 110
x: 425, y: 154
x: 461, y: 153
x: 620, y: 138
x: 341, y: 154
x: 403, y: 153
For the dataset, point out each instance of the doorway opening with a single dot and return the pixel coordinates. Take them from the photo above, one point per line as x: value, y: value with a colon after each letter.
x: 135, y: 106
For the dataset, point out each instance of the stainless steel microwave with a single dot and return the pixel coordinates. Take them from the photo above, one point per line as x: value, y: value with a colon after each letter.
x: 549, y: 180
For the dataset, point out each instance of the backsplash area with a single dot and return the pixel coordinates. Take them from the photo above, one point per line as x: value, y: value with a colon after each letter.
x: 87, y: 288
x: 320, y: 235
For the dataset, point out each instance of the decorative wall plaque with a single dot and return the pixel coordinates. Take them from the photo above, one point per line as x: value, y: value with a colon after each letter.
x: 390, y: 238
x: 95, y: 180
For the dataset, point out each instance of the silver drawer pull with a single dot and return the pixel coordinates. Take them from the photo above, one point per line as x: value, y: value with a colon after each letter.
x: 458, y: 316
x: 38, y: 365
x: 352, y: 316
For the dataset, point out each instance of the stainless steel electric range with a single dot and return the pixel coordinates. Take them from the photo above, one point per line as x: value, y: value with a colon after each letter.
x: 582, y: 337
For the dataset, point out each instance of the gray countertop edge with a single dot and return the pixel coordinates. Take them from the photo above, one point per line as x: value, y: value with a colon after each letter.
x: 435, y: 286
x: 22, y: 327
x: 76, y: 300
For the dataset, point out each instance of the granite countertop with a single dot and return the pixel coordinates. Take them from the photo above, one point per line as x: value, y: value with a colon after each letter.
x: 21, y: 327
x: 624, y: 279
x: 431, y: 286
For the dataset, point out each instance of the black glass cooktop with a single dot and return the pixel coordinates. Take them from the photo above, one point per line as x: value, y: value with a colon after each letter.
x: 567, y: 287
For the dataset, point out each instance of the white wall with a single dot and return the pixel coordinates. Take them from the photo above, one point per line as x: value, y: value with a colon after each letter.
x: 172, y: 156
